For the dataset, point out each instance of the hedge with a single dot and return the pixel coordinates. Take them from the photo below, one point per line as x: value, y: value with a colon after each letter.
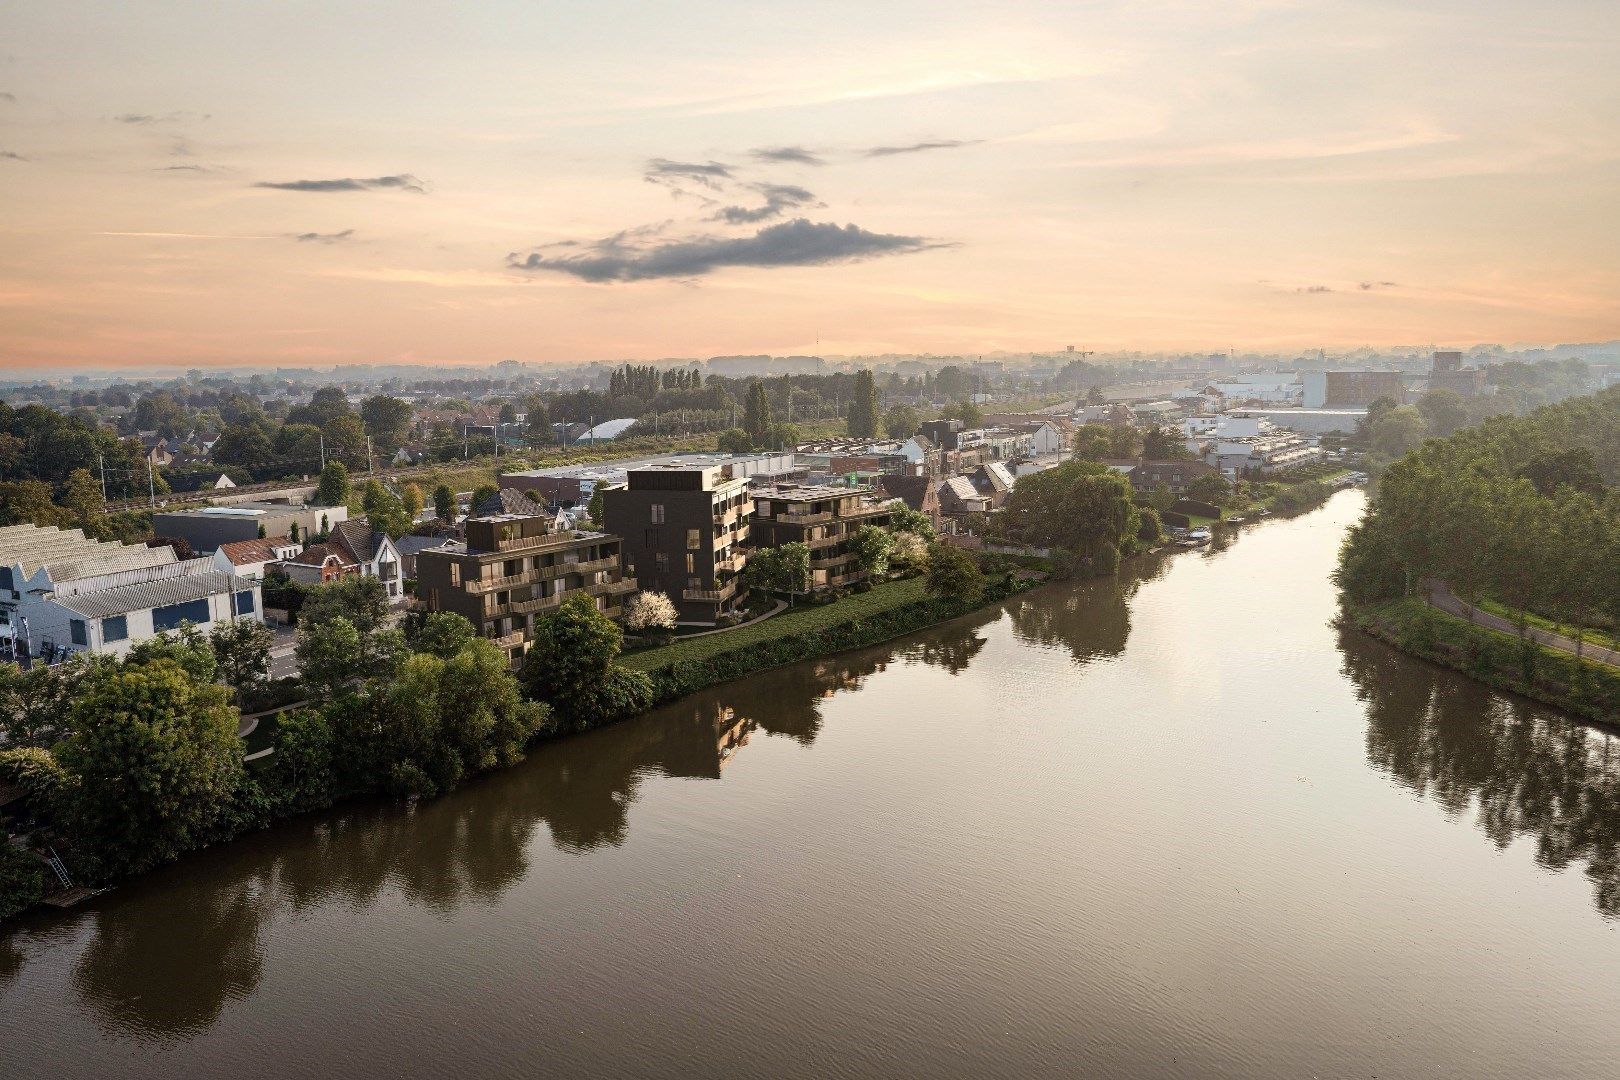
x: 1500, y: 661
x: 680, y: 677
x: 22, y: 879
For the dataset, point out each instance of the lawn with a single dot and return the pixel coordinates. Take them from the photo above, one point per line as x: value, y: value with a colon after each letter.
x: 1592, y: 637
x: 890, y: 594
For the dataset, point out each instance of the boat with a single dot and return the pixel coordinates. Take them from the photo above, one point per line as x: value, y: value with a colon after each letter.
x: 1198, y: 537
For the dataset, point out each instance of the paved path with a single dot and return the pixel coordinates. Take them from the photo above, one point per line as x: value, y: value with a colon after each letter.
x: 1441, y: 596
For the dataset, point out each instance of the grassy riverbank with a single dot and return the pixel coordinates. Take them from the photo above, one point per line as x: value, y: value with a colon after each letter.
x: 1501, y: 661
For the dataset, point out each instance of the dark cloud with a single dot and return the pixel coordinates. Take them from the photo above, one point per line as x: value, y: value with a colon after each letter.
x: 5, y: 96
x: 9, y: 156
x: 787, y: 155
x: 799, y: 242
x: 1368, y: 286
x: 402, y: 182
x: 917, y: 148
x: 672, y: 174
x: 779, y: 199
x: 323, y: 238
x: 182, y: 168
x: 1314, y: 289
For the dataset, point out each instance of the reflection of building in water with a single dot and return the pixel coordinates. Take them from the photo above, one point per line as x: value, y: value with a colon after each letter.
x: 1523, y: 770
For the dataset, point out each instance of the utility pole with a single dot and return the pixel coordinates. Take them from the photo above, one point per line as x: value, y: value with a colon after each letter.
x: 368, y: 453
x: 465, y: 442
x: 323, y: 452
x: 102, y: 461
x: 151, y: 483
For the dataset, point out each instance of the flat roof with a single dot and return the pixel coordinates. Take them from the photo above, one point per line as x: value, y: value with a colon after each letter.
x: 608, y: 469
x: 808, y: 492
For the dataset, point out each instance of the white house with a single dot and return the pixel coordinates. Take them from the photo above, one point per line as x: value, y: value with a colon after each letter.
x: 248, y: 558
x: 110, y: 613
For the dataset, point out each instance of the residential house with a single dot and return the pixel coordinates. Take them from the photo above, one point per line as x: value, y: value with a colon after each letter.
x: 823, y: 517
x: 371, y: 550
x: 994, y: 481
x: 958, y: 498
x: 683, y: 527
x: 512, y: 571
x: 1147, y: 476
x: 250, y: 558
x: 919, y: 493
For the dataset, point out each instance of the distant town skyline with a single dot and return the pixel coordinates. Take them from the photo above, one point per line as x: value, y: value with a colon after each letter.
x: 311, y: 185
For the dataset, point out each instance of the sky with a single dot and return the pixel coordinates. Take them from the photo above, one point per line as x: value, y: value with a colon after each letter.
x: 324, y: 183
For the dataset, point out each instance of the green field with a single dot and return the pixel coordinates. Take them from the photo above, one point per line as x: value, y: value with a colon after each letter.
x: 891, y: 594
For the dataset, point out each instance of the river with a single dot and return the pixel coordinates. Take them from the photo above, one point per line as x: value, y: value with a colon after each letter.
x: 1169, y: 825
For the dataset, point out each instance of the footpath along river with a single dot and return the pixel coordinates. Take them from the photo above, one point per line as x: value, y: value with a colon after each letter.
x: 1170, y: 825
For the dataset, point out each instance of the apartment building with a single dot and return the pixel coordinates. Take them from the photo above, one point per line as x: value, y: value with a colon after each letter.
x: 683, y: 527
x: 512, y: 570
x: 822, y: 517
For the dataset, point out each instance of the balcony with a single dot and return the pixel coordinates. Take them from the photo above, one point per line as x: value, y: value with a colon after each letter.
x: 802, y: 518
x: 539, y: 603
x: 613, y: 588
x: 713, y: 596
x: 507, y: 641
x: 542, y: 573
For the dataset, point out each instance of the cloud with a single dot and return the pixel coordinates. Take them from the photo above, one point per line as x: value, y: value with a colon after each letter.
x: 799, y: 242
x: 1314, y: 289
x: 675, y: 175
x: 779, y: 198
x: 917, y: 148
x: 6, y: 96
x: 7, y: 155
x: 401, y: 182
x: 323, y: 238
x: 1369, y: 286
x: 787, y: 155
x: 149, y: 118
x: 182, y: 168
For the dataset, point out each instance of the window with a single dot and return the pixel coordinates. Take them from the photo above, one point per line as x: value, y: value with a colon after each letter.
x: 694, y: 539
x: 115, y: 628
x: 6, y: 580
x: 172, y: 615
x: 691, y: 563
x: 660, y: 562
x: 657, y: 513
x: 244, y: 602
x: 78, y: 632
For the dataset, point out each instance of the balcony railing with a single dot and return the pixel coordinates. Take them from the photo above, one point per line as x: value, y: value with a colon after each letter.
x: 715, y: 596
x: 542, y: 573
x: 506, y: 641
x: 802, y: 518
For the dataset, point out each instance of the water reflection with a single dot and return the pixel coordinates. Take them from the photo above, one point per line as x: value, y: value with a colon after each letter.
x: 1522, y: 770
x: 1091, y: 619
x: 167, y: 954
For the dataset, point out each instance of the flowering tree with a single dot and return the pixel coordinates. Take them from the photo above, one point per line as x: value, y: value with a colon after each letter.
x: 650, y: 611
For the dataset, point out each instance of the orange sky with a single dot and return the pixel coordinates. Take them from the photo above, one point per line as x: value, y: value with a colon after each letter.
x: 333, y: 183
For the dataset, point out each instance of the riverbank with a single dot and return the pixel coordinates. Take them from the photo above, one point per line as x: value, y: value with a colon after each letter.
x: 1498, y: 659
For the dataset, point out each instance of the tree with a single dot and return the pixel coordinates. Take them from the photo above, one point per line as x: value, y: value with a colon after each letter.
x: 1574, y: 468
x: 1395, y: 433
x: 334, y: 488
x: 410, y: 496
x: 442, y: 634
x: 299, y: 774
x: 569, y: 666
x: 735, y: 441
x: 186, y: 648
x: 384, y: 510
x: 967, y: 411
x: 597, y: 505
x: 245, y: 446
x: 363, y: 601
x: 387, y: 420
x: 34, y: 703
x: 650, y: 611
x: 1151, y: 529
x: 872, y: 545
x: 81, y: 496
x: 329, y: 656
x: 1164, y: 444
x: 444, y: 503
x: 1444, y: 411
x: 863, y: 408
x: 781, y: 569
x: 906, y: 520
x: 508, y: 413
x: 757, y: 417
x: 242, y: 655
x: 782, y: 436
x: 154, y: 761
x: 910, y: 553
x: 1094, y: 396
x: 953, y: 573
x: 482, y: 494
x: 1079, y: 505
x: 1100, y: 442
x: 1211, y: 488
x: 901, y: 422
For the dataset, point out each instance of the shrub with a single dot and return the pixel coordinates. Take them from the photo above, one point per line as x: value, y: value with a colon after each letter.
x: 22, y: 880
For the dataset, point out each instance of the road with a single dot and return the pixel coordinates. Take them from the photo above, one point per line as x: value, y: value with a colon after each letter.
x: 1441, y: 596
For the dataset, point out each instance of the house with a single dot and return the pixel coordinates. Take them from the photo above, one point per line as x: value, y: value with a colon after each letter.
x: 917, y: 492
x: 994, y: 481
x: 823, y: 517
x: 319, y: 564
x: 958, y: 498
x: 62, y: 593
x: 249, y: 558
x: 511, y: 571
x: 1149, y: 476
x: 357, y: 543
x: 682, y: 528
x: 206, y: 528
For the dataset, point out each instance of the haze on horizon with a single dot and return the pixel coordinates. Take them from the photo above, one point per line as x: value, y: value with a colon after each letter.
x: 304, y: 183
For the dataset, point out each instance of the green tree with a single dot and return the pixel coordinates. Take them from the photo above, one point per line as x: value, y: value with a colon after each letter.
x: 735, y: 441
x: 245, y: 446
x: 482, y: 494
x: 1211, y: 488
x: 1444, y: 411
x: 442, y: 634
x: 757, y: 417
x: 384, y: 510
x: 299, y: 775
x: 906, y: 520
x: 967, y: 411
x: 1164, y: 444
x: 863, y: 407
x: 242, y: 655
x: 154, y: 761
x: 334, y: 488
x: 597, y: 506
x: 569, y: 666
x: 444, y: 503
x: 1079, y: 505
x: 872, y: 545
x: 781, y: 569
x: 1395, y: 433
x: 953, y: 573
x: 388, y: 421
x: 22, y: 880
x: 185, y: 647
x: 330, y: 656
x: 410, y: 496
x: 901, y: 422
x: 363, y: 601
x: 81, y: 496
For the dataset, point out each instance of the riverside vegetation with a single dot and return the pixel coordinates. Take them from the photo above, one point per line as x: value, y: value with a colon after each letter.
x: 1516, y: 514
x: 127, y: 764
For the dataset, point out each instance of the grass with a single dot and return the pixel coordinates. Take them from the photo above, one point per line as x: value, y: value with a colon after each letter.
x: 1591, y: 637
x: 890, y: 594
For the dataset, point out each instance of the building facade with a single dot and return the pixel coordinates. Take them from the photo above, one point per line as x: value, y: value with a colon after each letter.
x: 823, y: 517
x: 683, y: 528
x: 511, y: 571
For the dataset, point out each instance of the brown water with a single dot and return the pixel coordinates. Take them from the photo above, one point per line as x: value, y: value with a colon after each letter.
x: 1170, y: 826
